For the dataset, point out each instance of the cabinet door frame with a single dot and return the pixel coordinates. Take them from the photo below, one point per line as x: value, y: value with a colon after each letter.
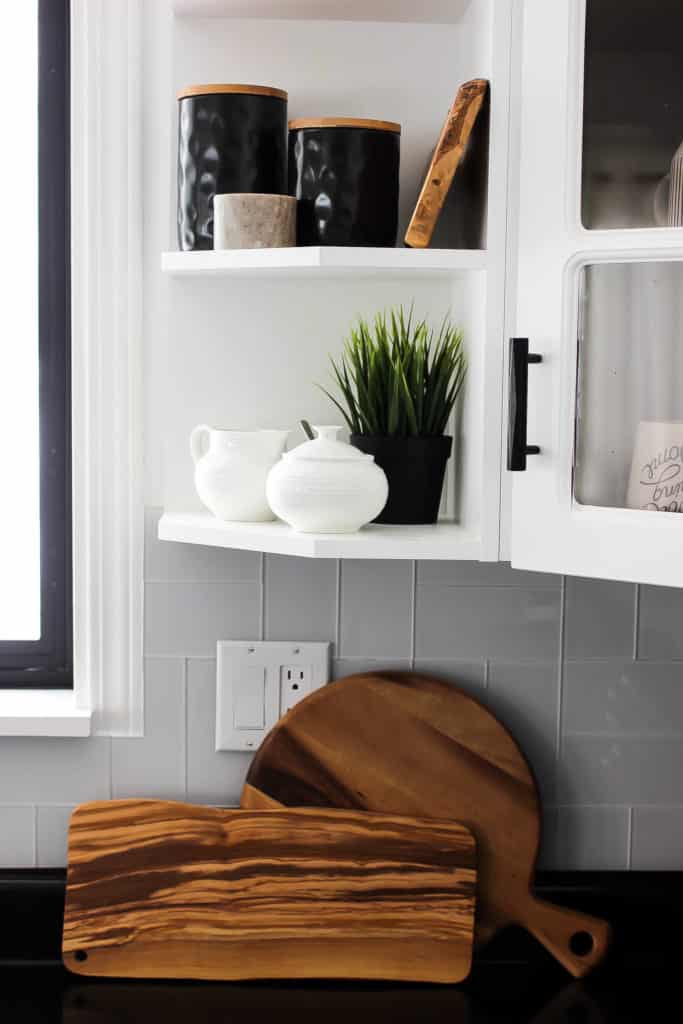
x: 550, y: 530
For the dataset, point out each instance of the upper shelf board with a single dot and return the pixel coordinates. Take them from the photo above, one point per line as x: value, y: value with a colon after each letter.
x: 317, y: 259
x: 415, y: 11
x: 442, y: 541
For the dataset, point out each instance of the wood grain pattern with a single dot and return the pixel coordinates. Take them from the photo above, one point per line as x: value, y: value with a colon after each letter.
x: 449, y: 150
x: 169, y: 890
x: 402, y: 743
x: 343, y: 122
x: 242, y: 90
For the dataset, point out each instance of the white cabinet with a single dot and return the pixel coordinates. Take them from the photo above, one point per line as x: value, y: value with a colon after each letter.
x: 248, y: 335
x: 599, y: 286
x: 580, y: 254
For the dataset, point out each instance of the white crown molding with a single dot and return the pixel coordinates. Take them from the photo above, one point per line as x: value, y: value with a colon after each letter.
x: 106, y: 276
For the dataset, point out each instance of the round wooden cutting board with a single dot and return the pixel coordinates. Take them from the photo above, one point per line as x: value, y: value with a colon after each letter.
x: 408, y: 744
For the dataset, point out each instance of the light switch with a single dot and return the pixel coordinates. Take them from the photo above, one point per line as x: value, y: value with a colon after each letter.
x: 249, y: 698
x: 258, y: 681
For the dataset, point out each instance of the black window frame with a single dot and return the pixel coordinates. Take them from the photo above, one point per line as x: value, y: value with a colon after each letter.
x: 48, y: 662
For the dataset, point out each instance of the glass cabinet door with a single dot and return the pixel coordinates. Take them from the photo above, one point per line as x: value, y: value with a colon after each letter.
x: 600, y: 290
x: 632, y: 154
x: 629, y: 400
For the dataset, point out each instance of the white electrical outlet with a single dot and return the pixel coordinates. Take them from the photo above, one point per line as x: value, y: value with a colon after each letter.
x: 294, y: 684
x: 258, y: 682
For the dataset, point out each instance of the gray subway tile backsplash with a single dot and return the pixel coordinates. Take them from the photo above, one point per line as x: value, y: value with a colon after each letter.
x: 17, y: 830
x: 599, y: 619
x: 52, y: 827
x: 342, y: 667
x: 512, y: 623
x: 660, y: 635
x: 154, y: 765
x: 585, y: 838
x: 620, y: 698
x: 525, y: 695
x: 53, y: 770
x: 482, y: 574
x: 612, y: 791
x: 300, y: 598
x: 657, y: 839
x: 612, y: 770
x: 375, y: 614
x: 470, y: 676
x: 186, y: 619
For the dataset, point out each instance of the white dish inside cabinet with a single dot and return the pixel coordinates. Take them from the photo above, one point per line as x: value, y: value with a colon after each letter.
x: 248, y: 334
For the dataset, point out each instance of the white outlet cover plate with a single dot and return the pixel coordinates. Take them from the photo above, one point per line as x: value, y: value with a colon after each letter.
x: 248, y: 675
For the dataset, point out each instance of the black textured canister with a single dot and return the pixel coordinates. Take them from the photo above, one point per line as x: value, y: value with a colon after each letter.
x: 344, y: 174
x: 231, y: 138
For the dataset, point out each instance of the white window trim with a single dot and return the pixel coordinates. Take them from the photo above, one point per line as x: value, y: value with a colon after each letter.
x: 106, y: 276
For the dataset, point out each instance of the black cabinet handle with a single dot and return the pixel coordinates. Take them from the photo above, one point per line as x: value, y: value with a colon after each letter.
x: 518, y: 449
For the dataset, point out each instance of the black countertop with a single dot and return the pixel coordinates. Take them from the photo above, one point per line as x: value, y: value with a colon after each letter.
x: 513, y: 979
x: 496, y: 995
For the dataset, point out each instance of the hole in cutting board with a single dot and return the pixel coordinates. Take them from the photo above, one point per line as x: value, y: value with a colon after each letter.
x: 581, y: 943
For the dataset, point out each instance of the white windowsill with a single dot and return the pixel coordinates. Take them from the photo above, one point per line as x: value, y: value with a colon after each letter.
x: 42, y: 713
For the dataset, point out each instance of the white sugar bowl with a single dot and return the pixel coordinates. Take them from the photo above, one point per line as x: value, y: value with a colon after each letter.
x: 326, y: 486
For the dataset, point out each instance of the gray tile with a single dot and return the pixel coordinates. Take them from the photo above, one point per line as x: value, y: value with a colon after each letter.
x: 467, y: 675
x: 599, y: 618
x: 212, y: 778
x: 52, y: 832
x: 342, y: 667
x: 661, y: 615
x: 623, y: 697
x: 154, y: 765
x: 301, y: 598
x: 598, y: 770
x: 584, y: 839
x: 16, y: 837
x: 376, y: 598
x: 468, y: 623
x: 167, y: 560
x: 54, y: 770
x: 189, y: 618
x: 657, y: 842
x: 482, y: 574
x: 525, y: 697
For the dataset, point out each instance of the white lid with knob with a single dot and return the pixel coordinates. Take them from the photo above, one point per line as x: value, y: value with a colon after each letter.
x: 327, y: 448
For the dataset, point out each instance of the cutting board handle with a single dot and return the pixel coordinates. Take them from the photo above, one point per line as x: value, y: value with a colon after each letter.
x: 577, y: 940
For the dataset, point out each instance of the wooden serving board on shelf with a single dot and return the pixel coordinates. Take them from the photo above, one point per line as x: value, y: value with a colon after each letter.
x: 445, y: 160
x: 169, y: 890
x: 402, y: 743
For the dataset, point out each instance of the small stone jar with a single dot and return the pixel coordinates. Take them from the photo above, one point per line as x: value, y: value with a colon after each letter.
x: 231, y: 138
x: 344, y: 174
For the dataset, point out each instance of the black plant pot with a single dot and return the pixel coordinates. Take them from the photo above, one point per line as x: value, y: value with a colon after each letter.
x: 415, y: 468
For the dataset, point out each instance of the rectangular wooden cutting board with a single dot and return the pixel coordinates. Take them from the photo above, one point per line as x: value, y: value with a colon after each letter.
x: 446, y: 158
x: 169, y: 890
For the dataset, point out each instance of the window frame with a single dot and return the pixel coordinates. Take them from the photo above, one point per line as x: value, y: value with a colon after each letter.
x: 47, y: 662
x: 107, y: 89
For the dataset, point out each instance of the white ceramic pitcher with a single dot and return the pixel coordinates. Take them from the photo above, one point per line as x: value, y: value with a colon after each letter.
x: 231, y: 467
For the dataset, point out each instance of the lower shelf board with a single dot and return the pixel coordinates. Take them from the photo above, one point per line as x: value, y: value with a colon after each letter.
x: 444, y: 540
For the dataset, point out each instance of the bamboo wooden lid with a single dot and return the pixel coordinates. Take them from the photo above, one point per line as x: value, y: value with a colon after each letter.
x: 244, y: 90
x: 344, y: 122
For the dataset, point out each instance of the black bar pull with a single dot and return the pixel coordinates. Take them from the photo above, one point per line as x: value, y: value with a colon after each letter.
x: 518, y: 449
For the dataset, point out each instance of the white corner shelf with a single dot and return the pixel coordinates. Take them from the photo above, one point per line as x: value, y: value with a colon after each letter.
x: 444, y: 540
x: 323, y: 259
